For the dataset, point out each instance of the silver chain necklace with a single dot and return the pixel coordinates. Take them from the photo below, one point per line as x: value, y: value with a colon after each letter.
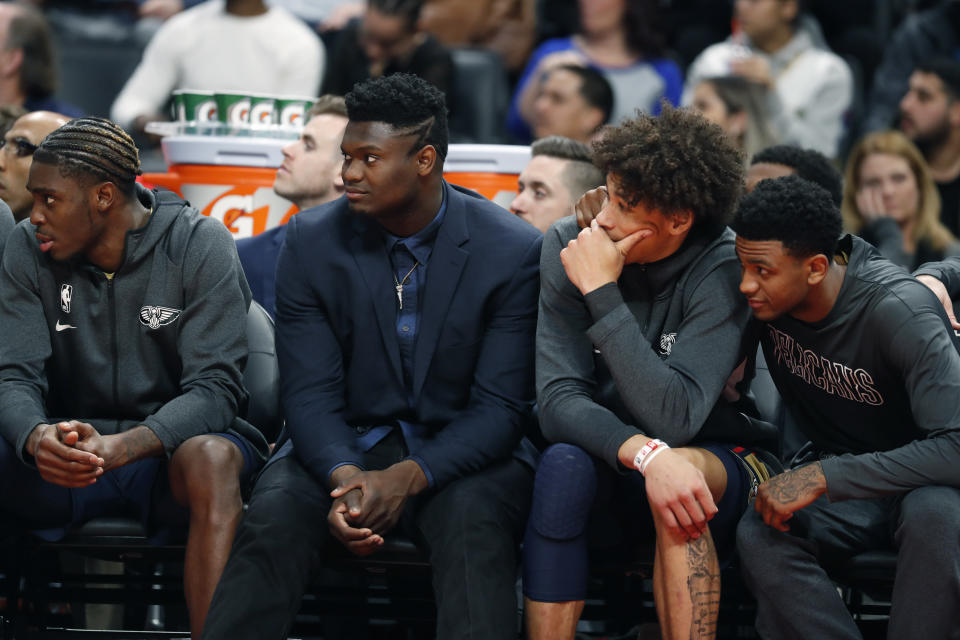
x: 398, y: 284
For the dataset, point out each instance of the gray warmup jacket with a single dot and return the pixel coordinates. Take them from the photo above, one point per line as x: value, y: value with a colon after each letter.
x: 650, y: 354
x: 162, y: 344
x: 6, y: 224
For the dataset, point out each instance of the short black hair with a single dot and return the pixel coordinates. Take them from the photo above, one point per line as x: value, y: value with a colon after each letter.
x: 409, y: 104
x: 798, y: 213
x: 676, y: 162
x: 594, y: 87
x: 580, y: 174
x: 809, y: 164
x: 30, y: 32
x: 408, y: 9
x: 945, y: 68
x: 93, y: 149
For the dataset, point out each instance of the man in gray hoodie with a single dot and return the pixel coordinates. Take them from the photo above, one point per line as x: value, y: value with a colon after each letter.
x: 640, y: 327
x: 123, y: 386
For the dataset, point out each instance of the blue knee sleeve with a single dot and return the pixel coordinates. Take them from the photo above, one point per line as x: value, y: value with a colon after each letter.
x: 563, y: 492
x: 555, y: 555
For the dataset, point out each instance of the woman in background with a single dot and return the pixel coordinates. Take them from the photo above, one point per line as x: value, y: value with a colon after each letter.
x: 619, y: 38
x: 738, y: 106
x: 891, y: 201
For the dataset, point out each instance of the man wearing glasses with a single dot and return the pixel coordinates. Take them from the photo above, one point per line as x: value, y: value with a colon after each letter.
x: 16, y: 156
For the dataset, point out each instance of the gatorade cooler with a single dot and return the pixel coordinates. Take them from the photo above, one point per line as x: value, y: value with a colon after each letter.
x: 231, y: 178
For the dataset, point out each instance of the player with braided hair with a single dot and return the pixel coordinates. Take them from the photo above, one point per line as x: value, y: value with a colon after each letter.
x: 123, y: 386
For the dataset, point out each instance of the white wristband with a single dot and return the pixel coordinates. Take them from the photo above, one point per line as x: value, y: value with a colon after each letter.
x: 647, y: 453
x: 650, y: 457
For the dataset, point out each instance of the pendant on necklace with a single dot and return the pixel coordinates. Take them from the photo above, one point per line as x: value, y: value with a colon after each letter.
x: 399, y: 288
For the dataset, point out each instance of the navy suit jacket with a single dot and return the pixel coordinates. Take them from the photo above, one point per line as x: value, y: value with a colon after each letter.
x: 337, y: 344
x: 259, y: 255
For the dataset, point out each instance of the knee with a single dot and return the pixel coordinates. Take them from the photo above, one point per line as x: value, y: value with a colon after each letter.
x: 206, y: 469
x: 931, y: 517
x: 563, y: 492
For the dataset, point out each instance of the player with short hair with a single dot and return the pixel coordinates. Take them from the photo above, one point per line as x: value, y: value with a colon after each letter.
x: 865, y: 360
x: 560, y: 171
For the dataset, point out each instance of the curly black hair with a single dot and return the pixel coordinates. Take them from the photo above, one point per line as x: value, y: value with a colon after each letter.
x: 408, y: 103
x: 674, y: 163
x: 797, y: 212
x: 809, y: 164
x: 92, y: 149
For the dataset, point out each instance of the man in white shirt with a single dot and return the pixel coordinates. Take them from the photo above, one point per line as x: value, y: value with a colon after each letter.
x: 240, y: 45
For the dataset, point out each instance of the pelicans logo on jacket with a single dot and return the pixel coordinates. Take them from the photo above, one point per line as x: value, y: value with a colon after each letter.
x: 156, y: 317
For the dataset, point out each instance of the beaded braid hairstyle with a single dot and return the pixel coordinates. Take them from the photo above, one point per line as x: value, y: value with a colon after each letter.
x: 94, y: 150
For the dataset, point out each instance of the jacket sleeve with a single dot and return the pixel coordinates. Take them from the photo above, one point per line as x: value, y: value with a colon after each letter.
x: 946, y: 271
x: 670, y: 398
x: 212, y: 341
x: 566, y: 376
x: 819, y: 123
x: 886, y: 236
x: 501, y: 394
x: 922, y: 351
x: 24, y: 345
x: 311, y: 367
x: 148, y: 89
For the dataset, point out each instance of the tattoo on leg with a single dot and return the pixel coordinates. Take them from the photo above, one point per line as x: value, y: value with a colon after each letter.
x: 703, y: 584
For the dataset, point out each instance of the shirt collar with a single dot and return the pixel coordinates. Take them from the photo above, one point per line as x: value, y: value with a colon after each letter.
x: 420, y: 244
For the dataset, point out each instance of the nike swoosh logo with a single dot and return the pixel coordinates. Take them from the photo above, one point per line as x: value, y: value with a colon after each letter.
x: 61, y: 327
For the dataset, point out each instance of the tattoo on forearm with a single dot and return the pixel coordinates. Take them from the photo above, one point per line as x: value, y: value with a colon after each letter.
x: 703, y: 584
x: 791, y: 485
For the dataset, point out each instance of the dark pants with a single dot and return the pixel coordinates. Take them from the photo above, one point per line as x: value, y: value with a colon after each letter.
x: 784, y: 569
x: 470, y: 530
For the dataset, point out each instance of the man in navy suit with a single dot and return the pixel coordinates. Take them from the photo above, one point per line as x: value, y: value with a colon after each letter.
x: 406, y: 315
x: 308, y: 177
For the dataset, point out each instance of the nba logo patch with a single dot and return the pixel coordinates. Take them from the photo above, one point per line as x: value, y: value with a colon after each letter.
x: 66, y: 294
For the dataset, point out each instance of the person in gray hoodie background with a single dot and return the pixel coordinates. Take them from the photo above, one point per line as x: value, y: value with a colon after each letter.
x: 123, y: 388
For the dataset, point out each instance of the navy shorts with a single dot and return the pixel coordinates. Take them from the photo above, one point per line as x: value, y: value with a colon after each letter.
x: 140, y: 490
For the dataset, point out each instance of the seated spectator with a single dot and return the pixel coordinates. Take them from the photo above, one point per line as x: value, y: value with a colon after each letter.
x: 388, y: 39
x: 619, y: 38
x: 787, y: 160
x: 808, y: 89
x: 406, y: 314
x: 863, y: 356
x: 88, y: 432
x: 308, y: 177
x: 16, y: 156
x: 560, y: 171
x: 930, y: 117
x: 922, y: 36
x: 640, y: 327
x: 573, y: 102
x: 507, y: 27
x: 739, y: 107
x: 28, y: 62
x: 890, y: 200
x: 241, y: 45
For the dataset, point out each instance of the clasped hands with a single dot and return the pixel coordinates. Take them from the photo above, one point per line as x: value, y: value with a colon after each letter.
x: 368, y: 504
x: 70, y: 454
